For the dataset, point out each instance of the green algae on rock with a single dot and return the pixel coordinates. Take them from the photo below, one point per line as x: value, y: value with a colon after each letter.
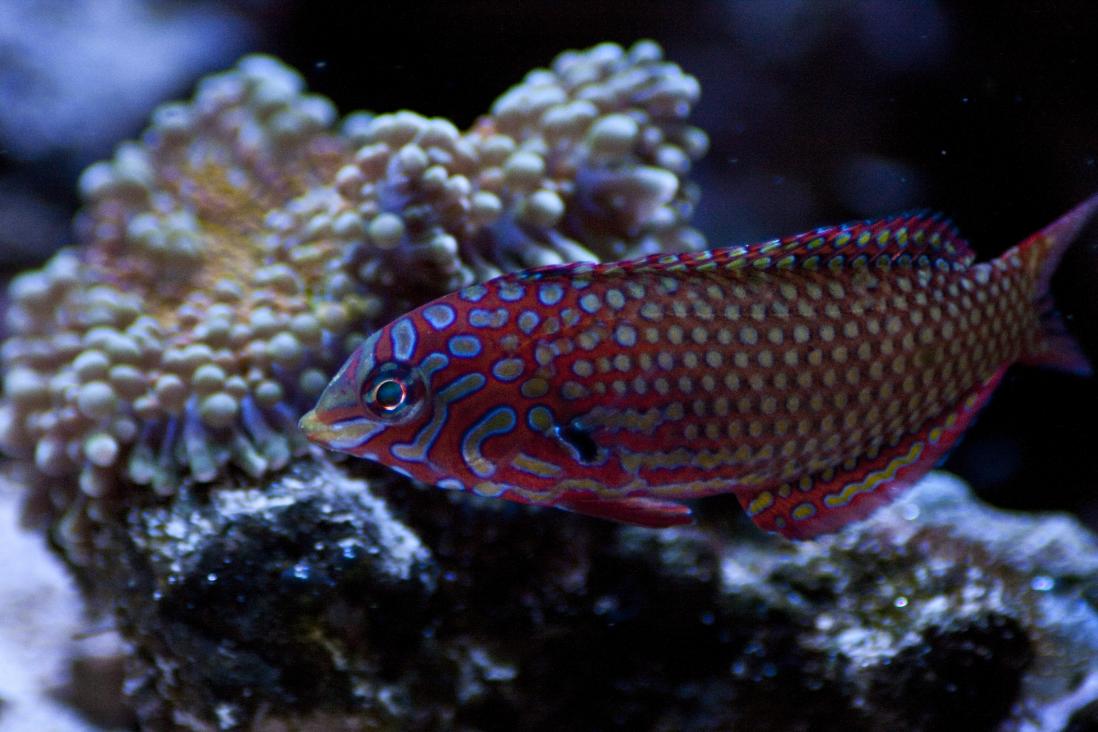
x: 229, y: 260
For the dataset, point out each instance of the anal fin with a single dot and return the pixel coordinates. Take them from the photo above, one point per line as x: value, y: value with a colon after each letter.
x: 826, y: 502
x: 638, y: 510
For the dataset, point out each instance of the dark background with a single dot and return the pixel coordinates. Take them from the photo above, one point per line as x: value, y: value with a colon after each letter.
x: 817, y: 112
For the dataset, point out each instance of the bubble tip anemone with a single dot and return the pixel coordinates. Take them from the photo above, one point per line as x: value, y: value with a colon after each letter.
x: 230, y: 259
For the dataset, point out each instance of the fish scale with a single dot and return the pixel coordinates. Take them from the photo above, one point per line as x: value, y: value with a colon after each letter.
x: 812, y: 376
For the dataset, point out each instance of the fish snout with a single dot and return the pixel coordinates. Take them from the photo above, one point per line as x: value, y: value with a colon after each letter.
x: 312, y: 426
x: 338, y: 420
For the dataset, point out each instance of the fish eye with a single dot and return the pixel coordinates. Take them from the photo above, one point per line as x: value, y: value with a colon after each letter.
x: 391, y: 392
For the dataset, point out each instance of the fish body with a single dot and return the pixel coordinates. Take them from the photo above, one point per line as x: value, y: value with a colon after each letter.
x: 812, y: 376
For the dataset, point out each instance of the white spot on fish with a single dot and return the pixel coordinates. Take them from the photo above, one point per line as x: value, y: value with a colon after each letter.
x: 590, y: 303
x: 465, y: 346
x: 527, y: 321
x: 550, y: 294
x: 475, y: 293
x: 404, y: 339
x: 625, y: 335
x: 511, y: 291
x: 440, y: 315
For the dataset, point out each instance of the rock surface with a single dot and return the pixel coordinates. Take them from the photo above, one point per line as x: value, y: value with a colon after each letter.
x: 330, y: 600
x: 336, y: 598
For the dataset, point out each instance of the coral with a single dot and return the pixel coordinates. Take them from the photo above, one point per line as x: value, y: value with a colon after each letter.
x: 585, y: 161
x: 232, y: 258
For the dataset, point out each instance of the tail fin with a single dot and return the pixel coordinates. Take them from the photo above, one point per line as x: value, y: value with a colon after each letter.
x: 1064, y: 256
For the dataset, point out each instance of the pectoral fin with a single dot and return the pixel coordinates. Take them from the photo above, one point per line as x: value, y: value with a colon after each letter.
x: 638, y: 511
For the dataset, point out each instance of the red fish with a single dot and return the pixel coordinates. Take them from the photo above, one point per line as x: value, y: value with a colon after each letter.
x: 812, y: 376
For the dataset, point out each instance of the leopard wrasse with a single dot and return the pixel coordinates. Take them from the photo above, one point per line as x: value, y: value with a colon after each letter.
x: 813, y: 376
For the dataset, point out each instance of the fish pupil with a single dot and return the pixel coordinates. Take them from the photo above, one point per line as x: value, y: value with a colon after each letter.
x: 392, y: 392
x: 580, y: 440
x: 389, y: 394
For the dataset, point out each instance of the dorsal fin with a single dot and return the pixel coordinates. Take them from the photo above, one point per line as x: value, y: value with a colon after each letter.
x: 912, y: 234
x: 913, y: 239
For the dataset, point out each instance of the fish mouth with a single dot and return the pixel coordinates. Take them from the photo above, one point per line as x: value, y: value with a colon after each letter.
x: 344, y: 435
x: 314, y: 428
x: 338, y: 421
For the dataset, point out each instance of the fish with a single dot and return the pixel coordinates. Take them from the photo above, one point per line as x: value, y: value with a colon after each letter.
x: 814, y: 376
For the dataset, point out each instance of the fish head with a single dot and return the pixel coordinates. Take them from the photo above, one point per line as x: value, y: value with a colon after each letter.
x: 403, y: 396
